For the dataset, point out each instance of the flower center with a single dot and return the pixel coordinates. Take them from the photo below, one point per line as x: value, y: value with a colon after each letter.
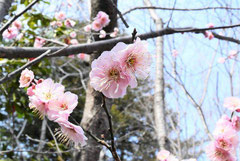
x: 64, y: 107
x: 114, y: 74
x: 131, y: 61
x: 48, y: 96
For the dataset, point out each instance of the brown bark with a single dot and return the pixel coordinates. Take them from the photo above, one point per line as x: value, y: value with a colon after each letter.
x: 94, y: 118
x: 4, y: 8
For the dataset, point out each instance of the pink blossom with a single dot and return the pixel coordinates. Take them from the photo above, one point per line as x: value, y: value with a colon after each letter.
x: 62, y: 106
x: 232, y: 54
x: 17, y: 24
x: 48, y: 90
x: 10, y: 33
x: 30, y: 90
x: 88, y: 28
x: 96, y: 25
x: 81, y: 56
x: 60, y: 16
x: 38, y: 107
x: 108, y: 77
x: 209, y: 35
x: 236, y: 123
x: 20, y: 36
x: 53, y: 23
x: 221, y: 60
x: 73, y: 34
x: 232, y: 103
x: 136, y: 59
x: 227, y: 140
x: 217, y: 154
x: 26, y: 78
x: 103, y: 18
x: 115, y: 32
x: 39, y: 42
x: 69, y: 23
x: 210, y: 25
x: 70, y: 132
x: 74, y: 41
x: 163, y: 155
x: 102, y: 34
x: 174, y: 53
x: 59, y: 24
x: 71, y: 56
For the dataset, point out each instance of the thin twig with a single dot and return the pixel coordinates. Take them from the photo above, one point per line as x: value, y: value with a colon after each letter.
x: 180, y: 9
x: 5, y: 26
x: 113, y: 148
x: 34, y: 61
x: 120, y: 14
x: 134, y: 33
x: 54, y: 138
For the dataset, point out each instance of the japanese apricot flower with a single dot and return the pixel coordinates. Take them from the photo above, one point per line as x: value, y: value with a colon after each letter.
x: 108, y: 77
x: 10, y: 33
x: 26, y: 78
x: 136, y: 59
x: 232, y: 103
x: 70, y: 133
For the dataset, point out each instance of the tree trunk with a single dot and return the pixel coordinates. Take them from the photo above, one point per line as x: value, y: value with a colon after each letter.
x: 159, y: 103
x: 4, y: 8
x: 94, y: 118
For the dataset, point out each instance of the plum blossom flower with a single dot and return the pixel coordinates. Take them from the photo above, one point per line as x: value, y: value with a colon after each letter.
x: 221, y: 60
x: 135, y: 59
x: 10, y: 33
x: 102, y: 34
x: 115, y: 32
x: 26, y: 78
x: 236, y: 123
x: 60, y: 16
x: 20, y: 36
x: 70, y: 133
x: 74, y: 41
x: 232, y: 54
x: 39, y: 42
x: 209, y: 35
x: 87, y: 28
x: 227, y: 140
x: 48, y: 90
x: 232, y: 103
x: 103, y: 18
x: 62, y: 106
x: 163, y: 155
x: 73, y: 34
x: 217, y: 154
x: 108, y: 77
x: 53, y: 23
x: 96, y: 25
x: 17, y: 24
x: 210, y: 25
x: 69, y: 23
x: 81, y: 56
x: 100, y: 21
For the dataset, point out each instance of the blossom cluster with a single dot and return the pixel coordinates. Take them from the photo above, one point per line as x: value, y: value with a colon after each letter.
x: 13, y: 31
x: 225, y: 143
x: 165, y: 155
x: 48, y: 99
x: 61, y: 19
x: 101, y: 21
x: 114, y: 70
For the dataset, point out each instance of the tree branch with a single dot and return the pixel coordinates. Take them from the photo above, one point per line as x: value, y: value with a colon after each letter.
x: 4, y: 27
x: 179, y: 9
x: 39, y: 58
x: 30, y: 52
